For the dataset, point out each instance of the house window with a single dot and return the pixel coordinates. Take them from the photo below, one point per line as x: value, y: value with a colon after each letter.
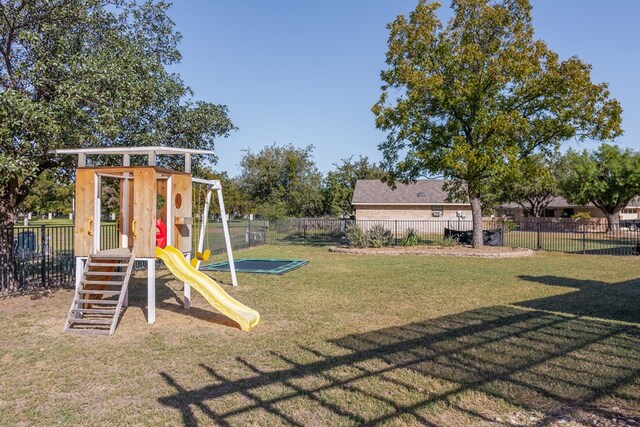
x: 567, y: 213
x: 437, y: 211
x: 630, y: 211
x: 549, y: 213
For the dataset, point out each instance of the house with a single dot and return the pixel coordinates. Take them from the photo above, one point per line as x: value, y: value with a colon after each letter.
x: 422, y: 200
x: 558, y: 207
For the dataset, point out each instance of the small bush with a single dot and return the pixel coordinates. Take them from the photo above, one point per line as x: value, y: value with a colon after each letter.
x: 379, y: 236
x: 449, y: 242
x: 509, y: 225
x: 581, y: 215
x: 356, y: 237
x: 410, y: 238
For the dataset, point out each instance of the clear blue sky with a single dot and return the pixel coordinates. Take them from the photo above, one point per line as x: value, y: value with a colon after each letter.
x: 307, y: 72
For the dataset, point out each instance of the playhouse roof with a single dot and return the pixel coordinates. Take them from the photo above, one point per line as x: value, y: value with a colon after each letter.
x: 125, y: 152
x: 131, y: 150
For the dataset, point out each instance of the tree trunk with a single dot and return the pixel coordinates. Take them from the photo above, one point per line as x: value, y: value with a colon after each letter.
x: 476, y: 216
x: 613, y: 220
x: 8, y: 282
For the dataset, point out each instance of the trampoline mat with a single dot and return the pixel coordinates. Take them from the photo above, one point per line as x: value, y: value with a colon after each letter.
x: 255, y: 265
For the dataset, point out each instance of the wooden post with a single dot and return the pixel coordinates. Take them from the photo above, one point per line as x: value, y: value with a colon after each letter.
x: 79, y: 268
x: 187, y: 289
x: 96, y: 214
x: 227, y: 238
x: 151, y: 291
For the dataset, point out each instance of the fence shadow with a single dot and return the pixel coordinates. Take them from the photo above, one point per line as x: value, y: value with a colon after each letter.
x: 614, y: 301
x: 499, y: 364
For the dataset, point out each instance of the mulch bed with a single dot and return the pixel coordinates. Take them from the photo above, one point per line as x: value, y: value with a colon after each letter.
x: 460, y: 251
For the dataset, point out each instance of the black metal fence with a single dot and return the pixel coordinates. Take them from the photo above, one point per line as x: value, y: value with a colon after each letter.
x: 40, y: 257
x: 43, y: 256
x: 573, y: 236
x: 35, y: 257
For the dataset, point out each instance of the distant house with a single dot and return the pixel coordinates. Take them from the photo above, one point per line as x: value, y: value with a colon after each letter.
x: 423, y: 200
x: 560, y: 208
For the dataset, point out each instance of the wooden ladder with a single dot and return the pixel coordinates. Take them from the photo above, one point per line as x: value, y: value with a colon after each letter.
x: 99, y: 298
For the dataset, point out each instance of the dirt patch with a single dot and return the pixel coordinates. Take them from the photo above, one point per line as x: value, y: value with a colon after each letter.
x: 460, y: 251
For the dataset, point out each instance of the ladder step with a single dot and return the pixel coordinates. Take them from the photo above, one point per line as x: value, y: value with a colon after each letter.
x: 98, y: 292
x: 88, y: 331
x: 94, y: 314
x: 107, y: 264
x: 100, y: 282
x: 91, y: 321
x: 94, y: 310
x: 96, y: 301
x: 105, y: 273
x: 111, y: 257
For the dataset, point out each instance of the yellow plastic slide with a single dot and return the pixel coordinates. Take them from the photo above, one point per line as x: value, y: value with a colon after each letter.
x: 246, y: 317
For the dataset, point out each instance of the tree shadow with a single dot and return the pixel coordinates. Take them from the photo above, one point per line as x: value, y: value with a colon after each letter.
x: 614, y: 301
x: 494, y: 365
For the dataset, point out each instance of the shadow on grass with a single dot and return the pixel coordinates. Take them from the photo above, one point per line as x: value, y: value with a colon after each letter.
x: 627, y: 250
x: 499, y: 364
x: 167, y: 299
x: 614, y: 301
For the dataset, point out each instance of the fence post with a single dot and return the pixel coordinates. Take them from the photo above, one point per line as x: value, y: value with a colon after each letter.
x: 43, y: 267
x: 538, y: 244
x: 249, y: 225
x: 584, y: 239
x: 304, y: 231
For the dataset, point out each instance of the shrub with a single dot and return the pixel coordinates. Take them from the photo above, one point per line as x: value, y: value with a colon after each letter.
x: 410, y: 238
x: 449, y: 242
x: 356, y: 237
x: 509, y: 225
x: 581, y: 215
x: 380, y: 236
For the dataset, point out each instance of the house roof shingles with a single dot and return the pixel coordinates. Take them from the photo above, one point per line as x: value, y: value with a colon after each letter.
x: 372, y: 191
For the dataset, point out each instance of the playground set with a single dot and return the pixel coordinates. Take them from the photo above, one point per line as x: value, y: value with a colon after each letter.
x: 147, y: 231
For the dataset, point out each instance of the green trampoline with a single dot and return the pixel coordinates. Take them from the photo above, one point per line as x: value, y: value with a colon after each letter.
x: 258, y: 265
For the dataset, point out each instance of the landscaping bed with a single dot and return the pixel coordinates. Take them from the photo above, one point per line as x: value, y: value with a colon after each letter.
x: 459, y: 251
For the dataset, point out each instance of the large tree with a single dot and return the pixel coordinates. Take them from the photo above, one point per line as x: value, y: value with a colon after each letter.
x: 608, y: 177
x: 86, y: 73
x: 471, y: 99
x: 282, y: 181
x: 82, y: 73
x: 340, y: 183
x: 533, y: 186
x: 49, y: 194
x: 236, y: 202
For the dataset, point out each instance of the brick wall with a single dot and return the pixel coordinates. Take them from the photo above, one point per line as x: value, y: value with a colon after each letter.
x: 410, y: 213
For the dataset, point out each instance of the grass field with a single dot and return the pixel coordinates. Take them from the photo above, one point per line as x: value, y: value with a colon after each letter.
x: 345, y: 340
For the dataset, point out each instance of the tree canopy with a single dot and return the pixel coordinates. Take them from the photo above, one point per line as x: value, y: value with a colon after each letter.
x: 533, y: 186
x: 470, y: 100
x: 82, y: 73
x: 282, y: 181
x: 608, y: 177
x: 340, y: 183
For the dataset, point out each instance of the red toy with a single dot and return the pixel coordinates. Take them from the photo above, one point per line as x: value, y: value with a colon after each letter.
x: 161, y: 234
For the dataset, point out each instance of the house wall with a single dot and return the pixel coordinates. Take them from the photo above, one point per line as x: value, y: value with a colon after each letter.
x: 630, y: 213
x: 409, y: 213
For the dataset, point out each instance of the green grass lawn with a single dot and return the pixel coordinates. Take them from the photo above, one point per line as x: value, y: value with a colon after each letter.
x: 345, y: 340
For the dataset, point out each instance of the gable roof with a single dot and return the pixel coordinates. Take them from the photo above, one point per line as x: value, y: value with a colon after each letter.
x: 422, y: 192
